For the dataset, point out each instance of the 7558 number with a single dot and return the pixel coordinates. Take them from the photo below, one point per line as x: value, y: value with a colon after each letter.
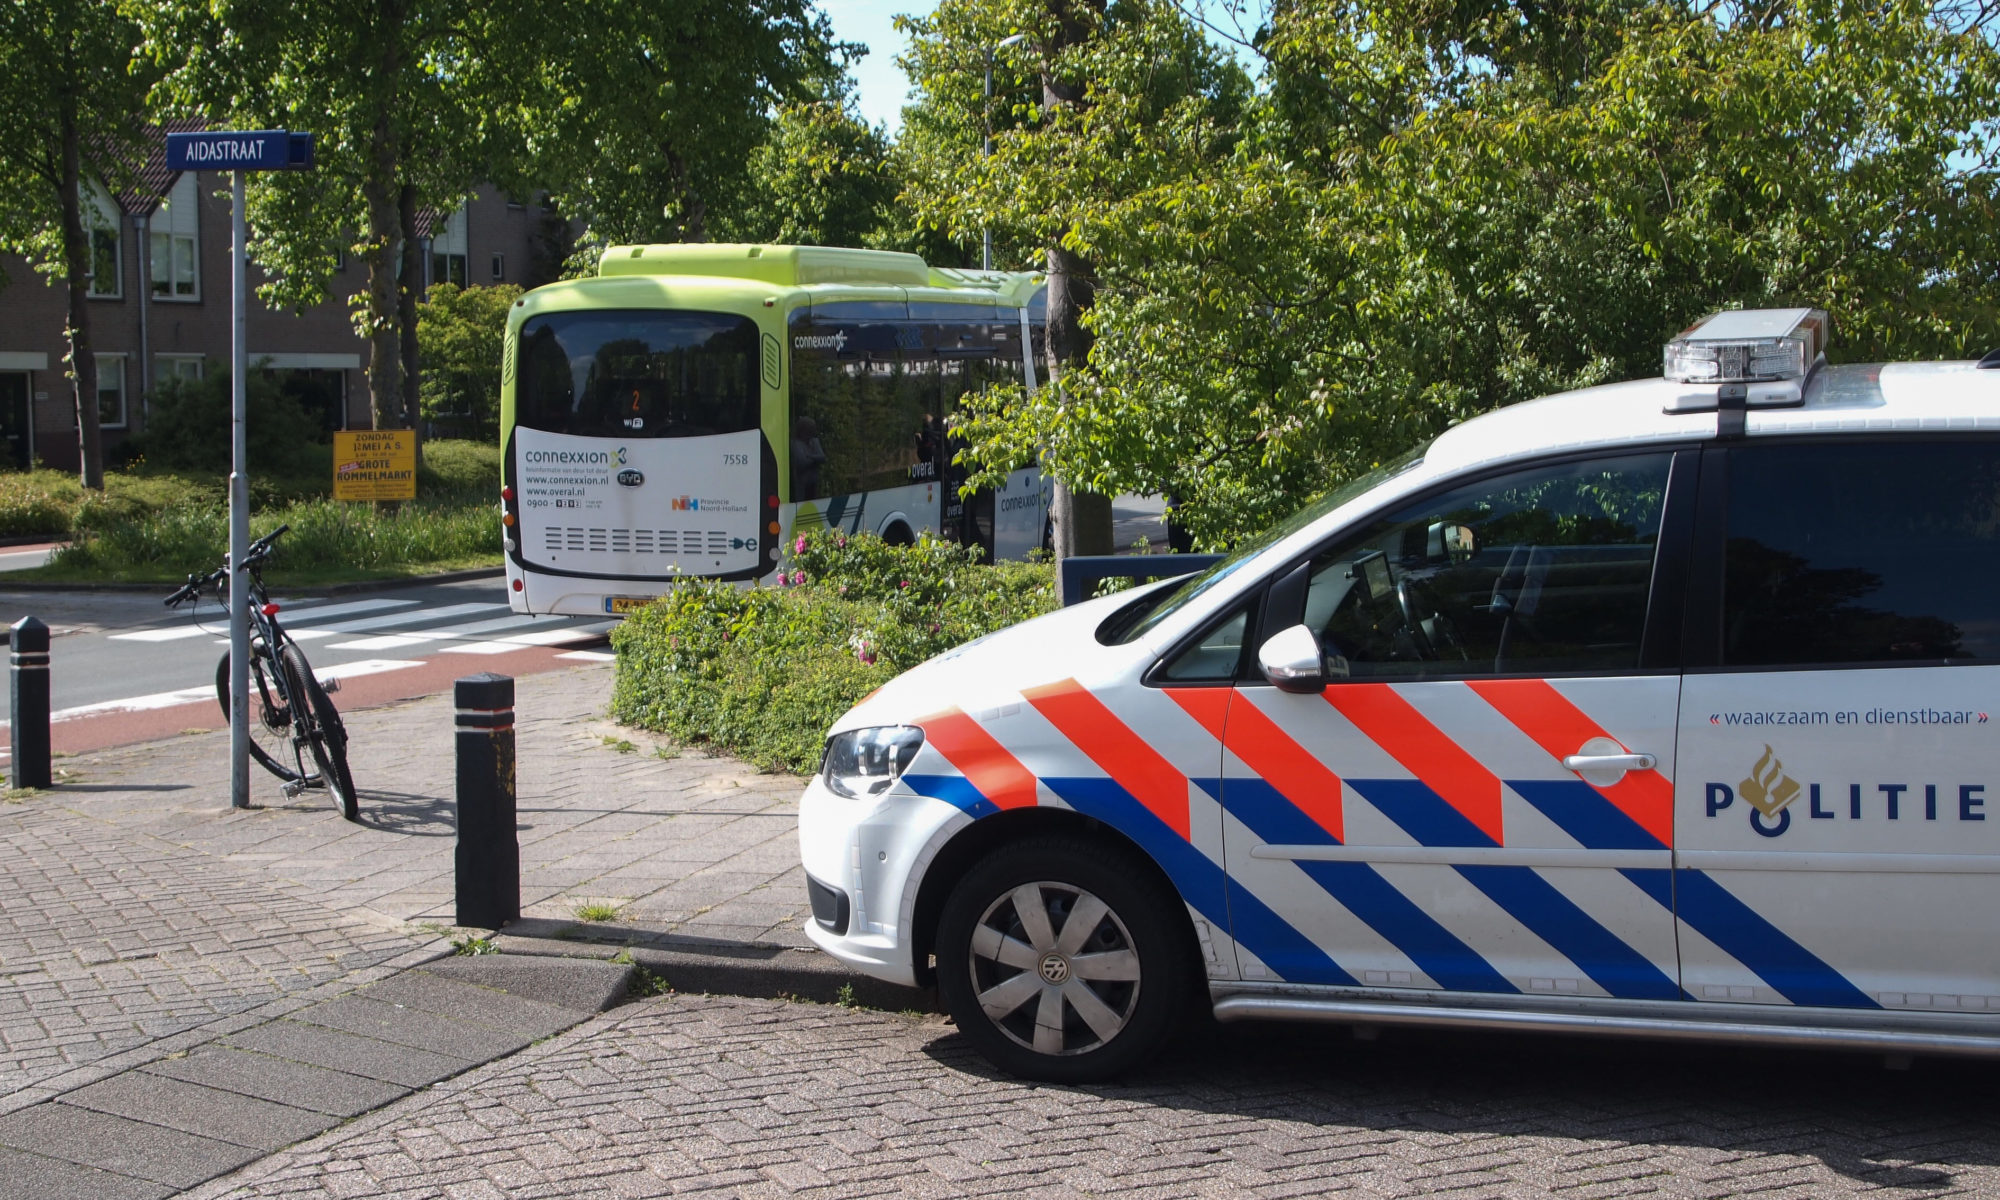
x: 735, y: 460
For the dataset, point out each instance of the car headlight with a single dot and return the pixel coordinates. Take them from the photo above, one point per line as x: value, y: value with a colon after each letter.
x: 864, y: 762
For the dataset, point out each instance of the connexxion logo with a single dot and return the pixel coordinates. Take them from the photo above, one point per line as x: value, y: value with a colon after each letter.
x: 1770, y: 796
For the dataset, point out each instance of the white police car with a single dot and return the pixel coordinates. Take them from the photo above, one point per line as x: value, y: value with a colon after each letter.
x: 1661, y: 708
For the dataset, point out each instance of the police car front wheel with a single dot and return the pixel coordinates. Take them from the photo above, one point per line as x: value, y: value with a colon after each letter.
x: 1060, y: 961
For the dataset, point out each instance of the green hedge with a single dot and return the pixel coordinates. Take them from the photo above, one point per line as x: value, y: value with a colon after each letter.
x: 762, y: 672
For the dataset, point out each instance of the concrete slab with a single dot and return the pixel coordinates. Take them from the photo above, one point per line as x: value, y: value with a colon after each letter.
x: 39, y: 1177
x: 583, y: 986
x: 266, y: 1077
x: 472, y: 1003
x: 411, y: 1027
x: 192, y: 1108
x: 365, y: 1056
x: 95, y: 1139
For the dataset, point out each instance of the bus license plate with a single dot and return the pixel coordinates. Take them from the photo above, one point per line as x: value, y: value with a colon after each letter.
x: 618, y: 606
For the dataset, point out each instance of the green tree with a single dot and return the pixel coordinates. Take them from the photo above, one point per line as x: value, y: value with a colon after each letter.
x: 461, y: 332
x: 1095, y: 106
x: 401, y: 94
x: 822, y: 177
x: 639, y: 117
x: 71, y: 94
x: 1431, y: 210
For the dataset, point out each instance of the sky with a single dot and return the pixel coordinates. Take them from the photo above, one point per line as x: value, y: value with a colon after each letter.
x: 883, y: 87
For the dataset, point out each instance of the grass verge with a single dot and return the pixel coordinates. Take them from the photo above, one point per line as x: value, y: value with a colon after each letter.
x: 157, y: 527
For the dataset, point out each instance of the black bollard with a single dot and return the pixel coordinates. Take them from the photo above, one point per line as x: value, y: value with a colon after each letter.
x: 489, y: 853
x: 30, y: 699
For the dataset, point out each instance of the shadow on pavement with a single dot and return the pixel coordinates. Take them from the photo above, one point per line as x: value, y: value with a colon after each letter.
x: 1845, y: 1110
x: 406, y: 812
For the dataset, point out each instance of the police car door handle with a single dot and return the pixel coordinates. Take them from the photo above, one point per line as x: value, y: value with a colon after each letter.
x: 1610, y: 762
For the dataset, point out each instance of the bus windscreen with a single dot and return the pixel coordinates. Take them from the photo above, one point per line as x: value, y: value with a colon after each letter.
x: 638, y: 373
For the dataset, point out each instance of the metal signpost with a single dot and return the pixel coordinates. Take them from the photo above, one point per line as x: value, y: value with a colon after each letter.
x: 237, y: 152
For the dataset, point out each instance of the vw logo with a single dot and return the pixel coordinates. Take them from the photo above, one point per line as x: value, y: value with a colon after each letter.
x: 1055, y: 968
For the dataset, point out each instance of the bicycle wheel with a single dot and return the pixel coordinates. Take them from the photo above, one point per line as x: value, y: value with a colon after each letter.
x: 325, y: 734
x: 271, y: 724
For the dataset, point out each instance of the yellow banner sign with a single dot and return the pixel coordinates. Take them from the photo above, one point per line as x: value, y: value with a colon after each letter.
x: 375, y: 464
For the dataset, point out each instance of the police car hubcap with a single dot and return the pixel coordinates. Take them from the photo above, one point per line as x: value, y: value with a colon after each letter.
x: 1054, y: 967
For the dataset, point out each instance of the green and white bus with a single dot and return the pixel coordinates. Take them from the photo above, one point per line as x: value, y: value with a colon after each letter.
x: 691, y: 408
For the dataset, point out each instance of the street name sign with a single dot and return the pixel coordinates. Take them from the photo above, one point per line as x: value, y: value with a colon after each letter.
x: 240, y: 150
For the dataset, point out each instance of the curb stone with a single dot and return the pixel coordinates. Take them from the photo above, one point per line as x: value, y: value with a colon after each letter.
x: 712, y: 966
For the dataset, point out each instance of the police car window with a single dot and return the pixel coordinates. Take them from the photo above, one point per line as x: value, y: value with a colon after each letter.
x: 1541, y: 571
x: 1129, y: 625
x: 1862, y: 553
x: 1214, y: 657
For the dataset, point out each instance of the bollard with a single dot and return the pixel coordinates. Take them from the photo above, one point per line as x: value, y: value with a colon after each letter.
x: 488, y: 858
x: 30, y: 711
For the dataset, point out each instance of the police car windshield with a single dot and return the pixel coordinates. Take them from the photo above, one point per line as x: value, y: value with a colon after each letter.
x: 1158, y: 606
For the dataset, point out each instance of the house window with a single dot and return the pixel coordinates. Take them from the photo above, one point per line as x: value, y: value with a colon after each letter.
x: 186, y: 367
x: 107, y: 260
x: 449, y: 257
x: 499, y: 267
x: 111, y: 391
x: 175, y: 251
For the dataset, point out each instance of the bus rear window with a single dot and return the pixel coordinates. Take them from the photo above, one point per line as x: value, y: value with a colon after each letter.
x: 633, y: 374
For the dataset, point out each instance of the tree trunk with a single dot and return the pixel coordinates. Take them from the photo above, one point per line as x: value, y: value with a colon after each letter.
x: 411, y: 291
x: 76, y: 265
x: 1081, y: 520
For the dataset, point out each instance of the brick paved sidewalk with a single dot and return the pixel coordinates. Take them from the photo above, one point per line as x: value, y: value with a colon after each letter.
x: 756, y: 1098
x: 135, y: 905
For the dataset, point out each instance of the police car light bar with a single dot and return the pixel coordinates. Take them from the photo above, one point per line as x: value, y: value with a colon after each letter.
x: 1768, y: 352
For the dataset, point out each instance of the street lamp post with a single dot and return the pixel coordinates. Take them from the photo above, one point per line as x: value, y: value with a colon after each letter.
x: 986, y: 150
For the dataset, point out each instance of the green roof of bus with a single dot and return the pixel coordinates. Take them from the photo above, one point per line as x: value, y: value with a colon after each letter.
x: 810, y: 266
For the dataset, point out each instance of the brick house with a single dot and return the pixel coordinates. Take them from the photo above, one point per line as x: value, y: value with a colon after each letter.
x: 160, y: 308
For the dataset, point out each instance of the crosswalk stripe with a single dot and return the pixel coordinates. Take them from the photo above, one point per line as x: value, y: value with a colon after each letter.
x: 220, y: 619
x: 540, y: 637
x: 366, y: 666
x: 413, y: 617
x: 397, y: 641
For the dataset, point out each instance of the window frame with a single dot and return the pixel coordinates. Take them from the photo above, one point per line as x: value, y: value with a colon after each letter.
x: 1661, y: 635
x: 176, y: 220
x: 1702, y: 634
x: 117, y: 236
x: 167, y: 366
x: 124, y: 392
x: 156, y: 281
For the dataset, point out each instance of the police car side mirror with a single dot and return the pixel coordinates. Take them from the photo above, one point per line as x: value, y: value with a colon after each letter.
x: 1292, y: 661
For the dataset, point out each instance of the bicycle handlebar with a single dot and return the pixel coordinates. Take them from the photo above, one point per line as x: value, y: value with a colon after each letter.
x: 258, y: 551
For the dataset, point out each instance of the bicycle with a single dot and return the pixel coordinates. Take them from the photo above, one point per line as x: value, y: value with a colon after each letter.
x: 292, y: 717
